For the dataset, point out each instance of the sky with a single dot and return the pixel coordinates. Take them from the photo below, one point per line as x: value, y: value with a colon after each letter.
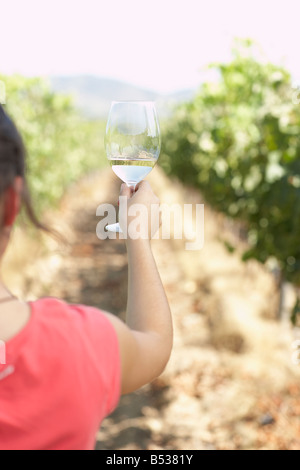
x: 161, y: 45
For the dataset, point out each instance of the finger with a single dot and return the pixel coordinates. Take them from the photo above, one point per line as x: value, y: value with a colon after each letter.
x: 143, y: 185
x: 125, y: 190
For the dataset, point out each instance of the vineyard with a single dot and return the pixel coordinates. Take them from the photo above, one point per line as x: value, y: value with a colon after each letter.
x: 233, y: 378
x: 238, y: 142
x: 231, y: 382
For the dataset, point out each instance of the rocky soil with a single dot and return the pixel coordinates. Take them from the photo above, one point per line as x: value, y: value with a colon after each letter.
x: 231, y: 382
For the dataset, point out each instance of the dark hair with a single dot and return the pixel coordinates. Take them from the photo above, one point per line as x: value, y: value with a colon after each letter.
x: 13, y: 164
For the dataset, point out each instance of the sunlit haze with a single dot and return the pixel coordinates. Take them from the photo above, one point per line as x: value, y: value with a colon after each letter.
x: 161, y: 45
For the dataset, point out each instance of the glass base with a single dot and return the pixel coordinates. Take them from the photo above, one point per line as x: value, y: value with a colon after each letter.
x: 114, y: 228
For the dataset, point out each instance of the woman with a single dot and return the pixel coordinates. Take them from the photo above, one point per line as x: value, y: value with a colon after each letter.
x: 67, y: 365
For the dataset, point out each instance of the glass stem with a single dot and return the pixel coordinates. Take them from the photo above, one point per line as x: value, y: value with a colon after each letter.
x: 132, y: 185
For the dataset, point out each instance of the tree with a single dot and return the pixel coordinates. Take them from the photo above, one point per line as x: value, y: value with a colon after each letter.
x: 238, y: 141
x: 61, y: 144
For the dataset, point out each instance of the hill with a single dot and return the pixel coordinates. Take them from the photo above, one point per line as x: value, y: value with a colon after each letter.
x: 93, y: 95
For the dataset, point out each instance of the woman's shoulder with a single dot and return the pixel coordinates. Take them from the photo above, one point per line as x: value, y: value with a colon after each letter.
x: 55, y: 306
x: 48, y: 302
x: 52, y: 309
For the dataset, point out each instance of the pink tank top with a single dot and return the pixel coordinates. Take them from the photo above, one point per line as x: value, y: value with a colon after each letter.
x: 60, y: 379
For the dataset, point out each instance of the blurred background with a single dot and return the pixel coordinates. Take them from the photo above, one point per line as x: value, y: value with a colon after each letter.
x: 225, y: 77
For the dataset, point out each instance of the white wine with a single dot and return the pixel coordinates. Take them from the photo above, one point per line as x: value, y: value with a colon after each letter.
x: 132, y: 141
x: 131, y: 170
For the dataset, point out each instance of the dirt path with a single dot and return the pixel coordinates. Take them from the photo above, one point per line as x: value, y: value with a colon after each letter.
x: 230, y: 383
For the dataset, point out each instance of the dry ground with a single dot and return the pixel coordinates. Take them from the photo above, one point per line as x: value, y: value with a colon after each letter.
x: 230, y: 383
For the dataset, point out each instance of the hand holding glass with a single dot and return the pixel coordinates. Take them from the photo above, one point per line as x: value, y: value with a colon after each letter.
x: 132, y: 142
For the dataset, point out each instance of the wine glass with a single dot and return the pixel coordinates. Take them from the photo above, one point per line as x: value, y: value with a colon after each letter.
x: 132, y: 142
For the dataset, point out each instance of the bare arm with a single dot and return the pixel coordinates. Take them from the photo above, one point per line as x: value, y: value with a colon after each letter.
x: 146, y: 339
